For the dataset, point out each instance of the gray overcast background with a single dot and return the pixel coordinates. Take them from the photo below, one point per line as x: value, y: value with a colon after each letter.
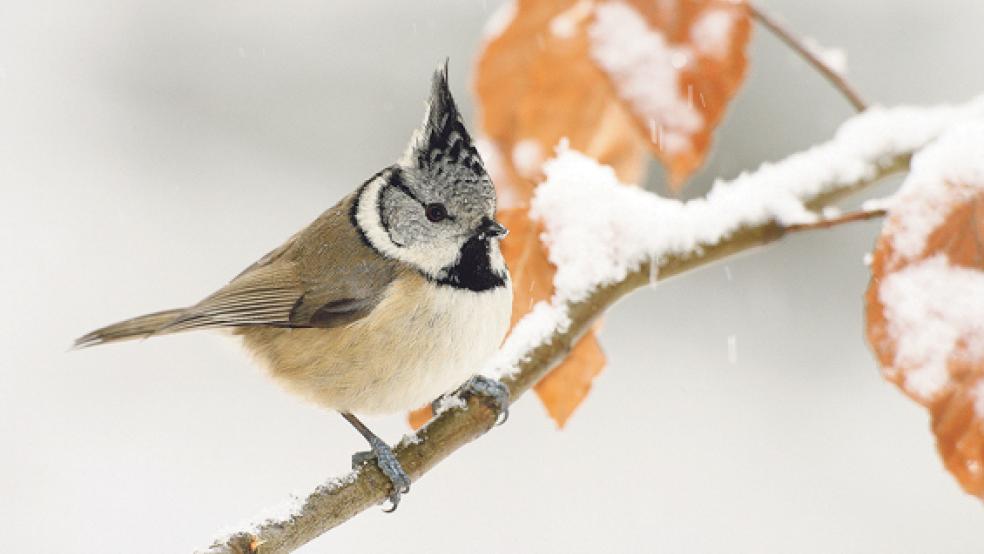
x: 151, y: 150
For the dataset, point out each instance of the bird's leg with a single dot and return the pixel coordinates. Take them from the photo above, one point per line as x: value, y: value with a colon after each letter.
x: 490, y: 388
x: 385, y: 460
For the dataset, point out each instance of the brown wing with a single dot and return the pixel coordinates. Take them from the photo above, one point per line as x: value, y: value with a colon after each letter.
x: 263, y: 296
x: 324, y: 276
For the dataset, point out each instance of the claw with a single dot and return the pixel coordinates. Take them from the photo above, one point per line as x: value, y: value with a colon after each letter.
x: 492, y: 389
x: 387, y: 463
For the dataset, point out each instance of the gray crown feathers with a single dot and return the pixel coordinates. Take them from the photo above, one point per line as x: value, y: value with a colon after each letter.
x: 442, y: 138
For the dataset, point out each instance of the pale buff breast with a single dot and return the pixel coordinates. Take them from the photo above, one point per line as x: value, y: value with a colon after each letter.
x: 421, y: 341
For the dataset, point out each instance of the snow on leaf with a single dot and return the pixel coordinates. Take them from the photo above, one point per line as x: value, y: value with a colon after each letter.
x: 614, y: 78
x: 537, y: 84
x: 677, y: 64
x: 925, y: 303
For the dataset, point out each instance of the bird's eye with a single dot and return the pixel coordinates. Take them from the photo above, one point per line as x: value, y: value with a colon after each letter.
x: 436, y: 212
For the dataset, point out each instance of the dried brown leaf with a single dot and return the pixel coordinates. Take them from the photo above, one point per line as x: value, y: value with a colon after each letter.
x: 707, y: 40
x: 536, y: 86
x: 957, y: 405
x: 563, y: 389
x: 531, y: 273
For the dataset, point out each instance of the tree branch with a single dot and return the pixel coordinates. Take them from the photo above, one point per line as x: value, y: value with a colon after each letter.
x: 866, y: 149
x: 800, y: 48
x: 337, y: 501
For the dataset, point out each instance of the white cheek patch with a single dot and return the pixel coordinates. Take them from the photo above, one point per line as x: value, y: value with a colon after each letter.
x: 430, y: 259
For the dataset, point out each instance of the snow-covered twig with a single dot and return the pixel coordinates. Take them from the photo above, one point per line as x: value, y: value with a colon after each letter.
x: 608, y: 240
x: 804, y: 49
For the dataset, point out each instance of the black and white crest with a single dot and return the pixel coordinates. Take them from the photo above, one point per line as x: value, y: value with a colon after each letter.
x: 442, y: 140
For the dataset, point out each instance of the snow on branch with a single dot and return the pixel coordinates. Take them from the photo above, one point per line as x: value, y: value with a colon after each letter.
x: 607, y: 240
x: 598, y: 232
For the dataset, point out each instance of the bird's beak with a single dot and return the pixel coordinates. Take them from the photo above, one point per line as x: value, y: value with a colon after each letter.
x: 492, y: 228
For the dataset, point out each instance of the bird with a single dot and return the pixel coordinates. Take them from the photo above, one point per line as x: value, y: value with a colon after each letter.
x: 390, y: 299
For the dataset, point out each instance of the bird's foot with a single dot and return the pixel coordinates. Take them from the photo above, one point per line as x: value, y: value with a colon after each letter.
x: 492, y: 389
x: 386, y: 461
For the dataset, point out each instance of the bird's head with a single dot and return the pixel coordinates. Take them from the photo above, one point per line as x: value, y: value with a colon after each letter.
x: 435, y: 208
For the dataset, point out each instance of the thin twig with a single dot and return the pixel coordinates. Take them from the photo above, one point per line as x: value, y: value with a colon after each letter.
x: 860, y: 215
x: 796, y: 44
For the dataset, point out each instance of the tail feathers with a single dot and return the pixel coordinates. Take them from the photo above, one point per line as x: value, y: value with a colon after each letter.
x: 136, y: 328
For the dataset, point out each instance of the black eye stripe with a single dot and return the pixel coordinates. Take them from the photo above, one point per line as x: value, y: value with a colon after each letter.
x: 395, y: 180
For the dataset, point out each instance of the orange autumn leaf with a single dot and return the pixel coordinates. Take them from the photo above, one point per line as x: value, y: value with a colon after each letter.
x: 956, y: 421
x: 536, y: 86
x: 923, y: 325
x: 563, y: 389
x: 677, y: 64
x: 612, y: 77
x: 532, y: 275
